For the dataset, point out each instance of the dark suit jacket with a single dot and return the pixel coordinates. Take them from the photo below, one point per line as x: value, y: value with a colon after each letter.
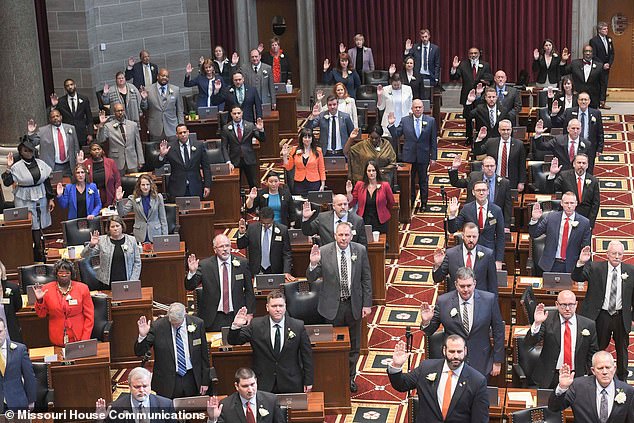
x: 595, y: 127
x: 433, y: 61
x: 469, y: 403
x: 483, y: 268
x: 596, y: 273
x: 417, y: 149
x: 323, y: 225
x: 202, y: 82
x: 136, y: 74
x: 181, y: 172
x: 415, y: 84
x: 591, y: 86
x: 551, y: 333
x: 161, y: 338
x: 510, y: 101
x: 11, y: 292
x: 240, y: 284
x: 286, y: 206
x: 553, y: 71
x: 599, y: 52
x: 292, y: 369
x: 81, y: 119
x: 558, y: 147
x: 345, y: 127
x: 588, y: 207
x: 227, y: 70
x: 492, y: 236
x: 516, y: 163
x: 157, y: 404
x: 233, y: 411
x: 251, y: 104
x: 465, y: 72
x: 18, y: 385
x: 359, y: 279
x: 44, y: 138
x: 549, y: 119
x: 581, y: 396
x: 237, y: 151
x: 502, y: 191
x: 480, y: 112
x: 280, y: 254
x: 487, y: 318
x: 579, y: 237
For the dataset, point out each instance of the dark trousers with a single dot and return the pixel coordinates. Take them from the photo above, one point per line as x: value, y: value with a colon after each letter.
x: 221, y: 320
x: 185, y: 386
x: 559, y: 266
x: 344, y: 317
x: 250, y: 172
x: 420, y: 169
x: 468, y: 126
x: 603, y: 85
x: 612, y: 327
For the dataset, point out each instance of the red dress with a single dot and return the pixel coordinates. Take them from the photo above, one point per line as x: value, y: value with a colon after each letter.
x: 75, y: 313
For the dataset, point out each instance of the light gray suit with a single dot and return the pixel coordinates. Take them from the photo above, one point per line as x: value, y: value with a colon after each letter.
x: 44, y: 138
x: 104, y: 249
x: 164, y: 112
x: 154, y: 224
x: 127, y: 153
x: 262, y: 81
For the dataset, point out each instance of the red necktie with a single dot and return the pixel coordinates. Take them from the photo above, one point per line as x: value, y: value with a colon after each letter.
x: 250, y: 416
x: 475, y: 72
x: 504, y: 162
x: 579, y: 188
x: 469, y: 263
x: 239, y: 129
x: 571, y: 151
x: 225, y: 288
x: 568, y: 346
x: 446, y: 398
x: 481, y: 218
x: 564, y: 240
x: 60, y: 145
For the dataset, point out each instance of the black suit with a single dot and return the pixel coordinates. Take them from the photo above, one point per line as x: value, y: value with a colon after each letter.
x: 240, y: 151
x: 280, y: 255
x: 594, y: 137
x: 510, y: 101
x: 558, y: 147
x: 286, y: 372
x: 416, y: 84
x: 81, y: 119
x: 182, y: 172
x: 591, y: 85
x: 516, y: 163
x: 465, y: 72
x: 551, y: 332
x: 618, y: 325
x: 233, y: 410
x: 600, y: 54
x: 161, y: 337
x: 483, y: 268
x: 590, y: 201
x: 158, y: 404
x: 285, y: 66
x: 240, y: 284
x: 137, y: 75
x: 251, y: 103
x: 324, y: 226
x: 12, y: 301
x: 286, y: 204
x: 479, y: 111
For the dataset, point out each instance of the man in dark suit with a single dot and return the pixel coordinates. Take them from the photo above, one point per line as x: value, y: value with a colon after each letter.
x: 508, y: 96
x: 268, y: 243
x: 487, y: 113
x: 567, y: 337
x: 499, y: 187
x: 123, y: 138
x: 282, y: 355
x: 346, y: 293
x: 17, y: 382
x: 334, y: 126
x: 420, y: 148
x: 509, y: 154
x: 143, y: 73
x: 247, y: 404
x: 187, y: 374
x: 469, y: 254
x: 187, y: 158
x: 564, y: 147
x: 260, y: 76
x: 449, y: 390
x: 581, y: 183
x: 567, y: 232
x: 603, y: 51
x: 244, y: 96
x: 237, y: 145
x: 226, y: 282
x: 58, y: 143
x: 609, y: 299
x: 486, y: 215
x: 12, y: 302
x: 472, y: 314
x: 326, y: 223
x: 130, y: 407
x: 591, y: 125
x: 426, y: 57
x: 586, y: 75
x: 75, y: 110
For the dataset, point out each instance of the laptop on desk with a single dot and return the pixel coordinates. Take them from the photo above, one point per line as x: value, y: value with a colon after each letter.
x: 367, y: 104
x: 280, y: 88
x: 164, y: 243
x: 320, y: 333
x: 205, y: 113
x: 502, y: 278
x: 220, y: 169
x: 187, y: 203
x: 271, y: 281
x: 334, y: 163
x: 266, y: 109
x: 17, y: 213
x: 320, y: 197
x: 191, y: 403
x: 295, y: 401
x: 126, y: 290
x: 80, y: 349
x: 556, y: 281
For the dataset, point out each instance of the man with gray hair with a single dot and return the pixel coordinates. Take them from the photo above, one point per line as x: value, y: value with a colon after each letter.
x: 181, y: 356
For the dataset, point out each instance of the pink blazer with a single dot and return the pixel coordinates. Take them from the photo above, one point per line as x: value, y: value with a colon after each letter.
x: 384, y: 200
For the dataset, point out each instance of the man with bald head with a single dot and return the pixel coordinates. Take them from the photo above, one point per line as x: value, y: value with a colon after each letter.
x: 325, y: 223
x: 226, y: 283
x: 609, y: 299
x: 260, y: 75
x: 143, y: 73
x: 509, y: 154
x: 123, y: 138
x: 569, y: 339
x: 564, y: 147
x: 165, y: 108
x: 508, y: 96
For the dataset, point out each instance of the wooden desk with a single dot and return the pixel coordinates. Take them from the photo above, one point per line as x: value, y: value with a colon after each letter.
x: 17, y: 245
x: 392, y: 241
x: 287, y: 108
x: 330, y: 368
x: 125, y: 315
x: 197, y: 228
x: 313, y: 414
x: 165, y: 272
x: 496, y: 411
x: 505, y: 294
x: 539, y: 400
x: 225, y: 193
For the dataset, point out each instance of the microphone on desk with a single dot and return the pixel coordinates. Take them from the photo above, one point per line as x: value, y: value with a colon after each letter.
x: 443, y: 194
x: 408, y: 338
x: 146, y: 357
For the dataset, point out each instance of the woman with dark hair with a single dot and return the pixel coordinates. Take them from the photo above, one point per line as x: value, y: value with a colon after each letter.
x: 408, y: 76
x: 308, y: 161
x: 11, y: 303
x: 103, y: 172
x: 149, y: 210
x: 547, y: 63
x: 119, y: 255
x: 565, y: 98
x: 396, y: 99
x: 276, y: 196
x: 67, y: 304
x: 374, y: 148
x: 126, y: 94
x: 342, y: 72
x: 80, y: 198
x: 222, y: 65
x: 374, y: 197
x: 209, y: 85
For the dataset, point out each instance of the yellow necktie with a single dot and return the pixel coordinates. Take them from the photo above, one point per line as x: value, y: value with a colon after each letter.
x: 3, y: 364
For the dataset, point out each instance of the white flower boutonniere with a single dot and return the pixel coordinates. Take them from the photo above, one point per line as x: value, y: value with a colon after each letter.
x: 235, y: 262
x: 138, y: 200
x: 13, y: 346
x: 263, y: 412
x: 191, y: 328
x: 230, y: 90
x: 299, y: 151
x: 347, y: 101
x: 265, y: 195
x: 326, y: 117
x: 80, y: 101
x: 574, y: 223
x: 70, y: 131
x: 230, y: 127
x: 624, y: 275
x: 124, y: 247
x: 504, y: 93
x: 593, y: 119
x: 193, y: 148
x: 424, y: 123
x: 480, y: 254
x: 585, y: 332
x: 152, y: 68
x: 171, y: 91
x: 453, y: 312
x: 582, y: 145
x: 555, y: 55
x: 480, y: 65
x: 282, y: 55
x: 594, y: 65
x: 8, y: 291
x: 115, y: 125
x: 264, y: 72
x: 291, y: 334
x: 353, y: 257
x: 431, y: 377
x: 620, y: 397
x: 588, y: 181
x: 490, y: 215
x: 90, y: 191
x: 276, y: 230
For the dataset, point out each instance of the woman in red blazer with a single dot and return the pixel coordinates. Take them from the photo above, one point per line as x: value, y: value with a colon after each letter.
x: 103, y: 172
x: 67, y: 304
x: 308, y: 161
x: 374, y: 197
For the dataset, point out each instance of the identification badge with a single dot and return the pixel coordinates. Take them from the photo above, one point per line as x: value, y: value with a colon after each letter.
x: 493, y: 221
x: 196, y: 342
x: 6, y: 301
x: 239, y: 277
x: 354, y: 232
x: 278, y: 238
x: 72, y: 302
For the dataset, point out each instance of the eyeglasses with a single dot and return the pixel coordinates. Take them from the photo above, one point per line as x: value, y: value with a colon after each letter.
x: 566, y: 305
x: 481, y: 189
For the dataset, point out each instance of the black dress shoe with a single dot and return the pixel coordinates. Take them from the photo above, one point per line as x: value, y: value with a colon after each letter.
x: 423, y: 207
x: 353, y: 386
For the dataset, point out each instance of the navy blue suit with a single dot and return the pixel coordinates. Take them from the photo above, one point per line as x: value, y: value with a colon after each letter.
x: 594, y: 136
x: 492, y: 236
x: 182, y: 173
x: 17, y: 386
x: 417, y: 150
x: 558, y: 147
x: 202, y: 82
x: 251, y: 104
x: 136, y: 74
x: 433, y: 61
x: 345, y: 128
x: 483, y: 267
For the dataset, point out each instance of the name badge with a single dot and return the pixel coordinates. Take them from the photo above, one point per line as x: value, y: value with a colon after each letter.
x: 6, y: 301
x: 493, y: 221
x: 278, y: 238
x: 354, y: 232
x: 196, y: 342
x: 239, y: 277
x: 72, y: 302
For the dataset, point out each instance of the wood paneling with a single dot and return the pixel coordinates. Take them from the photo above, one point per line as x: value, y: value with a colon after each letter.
x: 622, y: 73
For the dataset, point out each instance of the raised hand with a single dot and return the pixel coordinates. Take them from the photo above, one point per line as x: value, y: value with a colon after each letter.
x: 253, y: 193
x: 39, y: 292
x: 100, y: 409
x: 426, y: 312
x: 285, y: 151
x: 201, y: 60
x: 554, y: 166
x: 307, y: 211
x: 260, y: 47
x: 391, y: 118
x: 79, y: 158
x: 537, y: 212
x: 316, y: 110
x: 482, y: 133
x: 143, y: 92
x: 565, y: 55
x: 551, y: 92
x: 457, y: 161
x: 242, y: 226
x: 259, y: 124
x: 539, y: 127
x: 164, y: 148
x: 456, y: 62
x: 554, y: 110
x: 439, y: 257
x: 9, y: 160
x: 408, y: 44
x: 214, y: 408
x: 326, y: 64
x: 471, y: 97
x: 130, y: 61
x: 355, y: 133
x: 106, y: 88
x: 342, y: 48
x: 144, y: 326
x: 453, y: 206
x: 31, y: 126
x: 94, y: 238
x: 566, y: 376
x: 241, y: 318
x: 102, y: 117
x: 349, y: 186
x: 54, y: 100
x: 320, y: 95
x: 60, y: 189
x: 188, y: 68
x: 235, y: 58
x: 217, y: 85
x: 585, y: 254
x: 192, y: 263
x: 536, y: 54
x: 479, y: 89
x: 399, y: 356
x: 315, y: 255
x: 392, y: 69
x: 379, y: 90
x: 118, y: 194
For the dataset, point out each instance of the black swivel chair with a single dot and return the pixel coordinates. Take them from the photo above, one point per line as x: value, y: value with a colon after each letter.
x: 127, y: 184
x: 171, y: 214
x: 434, y: 343
x: 214, y: 153
x: 44, y: 394
x: 302, y: 299
x: 537, y: 415
x: 35, y: 273
x: 538, y: 177
x: 103, y: 318
x: 87, y: 273
x: 536, y: 251
x: 367, y: 92
x: 376, y: 77
x: 151, y: 152
x: 77, y: 231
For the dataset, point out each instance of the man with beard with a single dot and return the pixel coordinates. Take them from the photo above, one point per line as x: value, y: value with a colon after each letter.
x: 75, y: 110
x: 124, y: 140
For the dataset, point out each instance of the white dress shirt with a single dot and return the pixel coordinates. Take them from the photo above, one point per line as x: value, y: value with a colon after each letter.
x: 573, y: 338
x: 561, y: 231
x: 440, y: 391
x: 220, y: 271
x: 273, y: 329
x: 465, y: 251
x: 619, y: 289
x: 182, y: 148
x: 470, y: 305
x: 336, y: 219
x: 498, y: 169
x: 334, y: 120
x: 183, y: 331
x: 56, y: 145
x: 586, y: 70
x: 611, y: 393
x: 348, y: 264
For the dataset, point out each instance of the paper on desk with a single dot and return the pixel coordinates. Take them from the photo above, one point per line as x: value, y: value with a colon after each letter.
x: 521, y: 331
x: 35, y: 353
x: 214, y: 338
x: 78, y: 249
x: 525, y: 397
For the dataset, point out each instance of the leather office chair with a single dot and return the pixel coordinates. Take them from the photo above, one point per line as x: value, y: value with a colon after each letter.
x: 412, y: 408
x: 376, y: 77
x: 103, y: 318
x: 189, y: 102
x: 77, y: 231
x: 127, y: 184
x: 35, y: 273
x: 223, y: 119
x: 366, y: 92
x: 538, y: 172
x: 198, y: 305
x: 151, y: 152
x: 87, y: 273
x: 537, y: 415
x: 302, y: 299
x: 171, y: 214
x: 476, y: 165
x: 434, y: 343
x: 43, y: 392
x: 214, y: 154
x: 535, y: 254
x: 525, y: 359
x: 99, y: 94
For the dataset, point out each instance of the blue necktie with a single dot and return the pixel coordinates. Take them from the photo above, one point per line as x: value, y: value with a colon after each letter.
x: 163, y: 90
x: 491, y: 190
x: 417, y: 127
x: 583, y: 125
x: 180, y: 351
x: 425, y: 59
x: 266, y: 255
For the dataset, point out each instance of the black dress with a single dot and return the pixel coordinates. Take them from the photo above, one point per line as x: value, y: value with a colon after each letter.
x: 371, y: 215
x: 117, y: 268
x: 81, y: 203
